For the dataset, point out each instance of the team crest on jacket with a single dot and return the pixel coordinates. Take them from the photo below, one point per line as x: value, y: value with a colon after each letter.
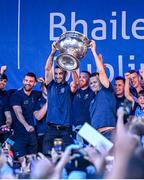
x: 62, y: 90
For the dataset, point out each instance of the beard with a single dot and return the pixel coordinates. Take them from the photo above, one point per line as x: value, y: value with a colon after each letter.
x: 27, y: 88
x: 83, y: 84
x: 59, y: 80
x: 2, y: 87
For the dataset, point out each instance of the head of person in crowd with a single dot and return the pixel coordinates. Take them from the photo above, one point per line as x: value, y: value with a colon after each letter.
x: 141, y: 99
x: 95, y: 84
x: 42, y: 169
x: 29, y: 81
x: 135, y: 167
x: 134, y: 79
x: 137, y: 127
x: 84, y: 79
x: 119, y: 84
x: 3, y: 81
x: 60, y: 75
x: 141, y: 81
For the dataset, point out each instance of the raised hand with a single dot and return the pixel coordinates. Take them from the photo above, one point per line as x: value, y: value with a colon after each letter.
x: 93, y: 45
x: 54, y: 46
x: 3, y: 69
x: 127, y: 76
x: 141, y: 71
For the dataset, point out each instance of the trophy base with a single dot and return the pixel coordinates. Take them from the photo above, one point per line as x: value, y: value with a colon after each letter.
x: 67, y: 62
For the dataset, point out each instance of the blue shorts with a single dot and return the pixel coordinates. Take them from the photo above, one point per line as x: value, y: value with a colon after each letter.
x: 25, y: 144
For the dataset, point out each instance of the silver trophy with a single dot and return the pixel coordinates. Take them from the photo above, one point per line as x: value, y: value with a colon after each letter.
x: 72, y: 46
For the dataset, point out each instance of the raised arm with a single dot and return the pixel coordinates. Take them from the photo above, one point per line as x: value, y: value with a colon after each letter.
x: 141, y: 71
x: 125, y: 145
x: 100, y: 66
x: 128, y: 95
x: 49, y: 64
x: 74, y: 83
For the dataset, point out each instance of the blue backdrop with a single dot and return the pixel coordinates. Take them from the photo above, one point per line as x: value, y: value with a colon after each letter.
x: 28, y: 28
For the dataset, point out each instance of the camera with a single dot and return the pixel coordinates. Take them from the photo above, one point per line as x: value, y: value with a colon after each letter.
x: 10, y: 141
x: 78, y: 162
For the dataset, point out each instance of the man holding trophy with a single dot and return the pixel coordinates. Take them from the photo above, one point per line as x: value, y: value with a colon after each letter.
x: 60, y: 94
x: 72, y: 46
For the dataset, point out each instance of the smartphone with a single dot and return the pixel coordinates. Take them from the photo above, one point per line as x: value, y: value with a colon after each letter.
x: 58, y: 145
x: 9, y: 141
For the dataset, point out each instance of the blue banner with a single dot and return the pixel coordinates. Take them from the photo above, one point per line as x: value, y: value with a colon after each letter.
x: 28, y: 27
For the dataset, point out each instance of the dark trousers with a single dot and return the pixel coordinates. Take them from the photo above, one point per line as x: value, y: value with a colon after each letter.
x: 52, y: 133
x: 40, y: 142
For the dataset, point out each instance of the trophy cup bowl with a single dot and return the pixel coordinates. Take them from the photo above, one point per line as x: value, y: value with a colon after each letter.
x: 72, y: 46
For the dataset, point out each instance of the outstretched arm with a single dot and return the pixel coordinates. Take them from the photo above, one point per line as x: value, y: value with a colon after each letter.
x: 128, y: 95
x: 74, y: 83
x: 125, y: 145
x: 100, y: 66
x: 49, y: 64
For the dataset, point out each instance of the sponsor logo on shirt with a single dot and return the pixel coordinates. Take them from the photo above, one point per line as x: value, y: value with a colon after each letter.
x: 62, y: 90
x: 26, y: 101
x: 86, y: 96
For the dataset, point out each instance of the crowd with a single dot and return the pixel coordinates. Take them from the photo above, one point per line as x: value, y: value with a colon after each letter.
x: 38, y: 129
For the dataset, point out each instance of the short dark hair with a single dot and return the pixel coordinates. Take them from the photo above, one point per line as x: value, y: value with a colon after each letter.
x: 141, y: 93
x: 133, y: 71
x: 87, y: 72
x: 58, y: 67
x: 3, y: 76
x: 94, y: 74
x: 31, y: 74
x: 120, y: 78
